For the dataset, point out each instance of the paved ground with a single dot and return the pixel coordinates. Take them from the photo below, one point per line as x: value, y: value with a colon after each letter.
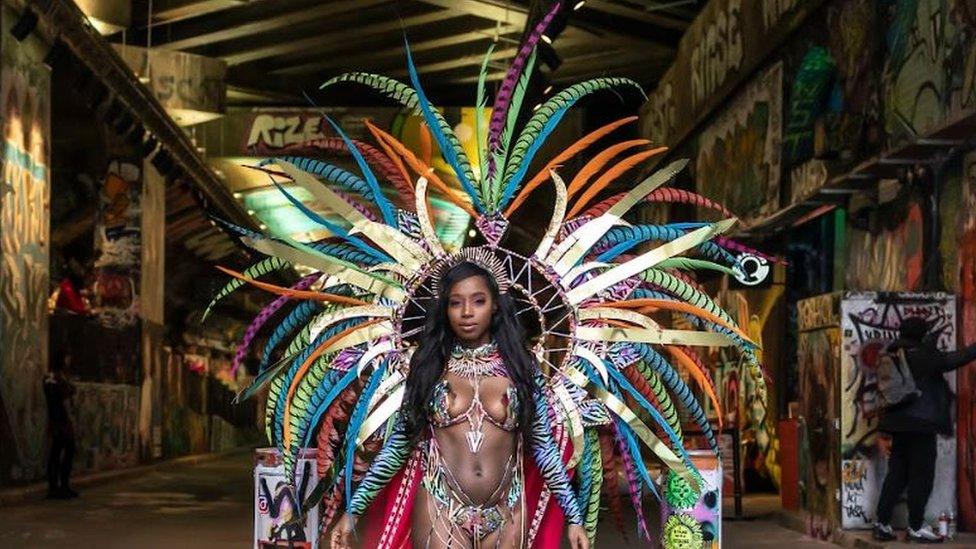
x: 209, y: 506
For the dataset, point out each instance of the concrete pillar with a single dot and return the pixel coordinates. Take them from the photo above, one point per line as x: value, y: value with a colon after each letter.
x: 25, y: 100
x: 151, y: 307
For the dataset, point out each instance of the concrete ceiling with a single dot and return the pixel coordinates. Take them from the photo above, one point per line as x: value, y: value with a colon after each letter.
x: 279, y: 50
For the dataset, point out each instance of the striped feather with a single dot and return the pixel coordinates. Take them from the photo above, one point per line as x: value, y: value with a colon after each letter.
x: 393, y: 89
x: 449, y: 144
x: 500, y: 109
x: 613, y: 173
x: 554, y: 106
x: 266, y: 313
x: 566, y: 154
x: 259, y: 269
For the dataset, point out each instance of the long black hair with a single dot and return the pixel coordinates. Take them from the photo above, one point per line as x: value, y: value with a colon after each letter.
x: 427, y: 364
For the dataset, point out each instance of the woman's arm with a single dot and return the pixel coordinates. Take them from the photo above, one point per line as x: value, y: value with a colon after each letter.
x: 550, y: 462
x: 386, y: 464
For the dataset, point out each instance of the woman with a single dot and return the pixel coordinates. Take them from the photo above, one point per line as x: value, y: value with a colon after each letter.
x: 469, y: 406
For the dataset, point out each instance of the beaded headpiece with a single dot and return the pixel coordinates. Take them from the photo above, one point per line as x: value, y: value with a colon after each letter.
x: 481, y: 256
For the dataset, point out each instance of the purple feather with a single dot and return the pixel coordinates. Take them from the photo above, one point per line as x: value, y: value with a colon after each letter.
x: 499, y: 111
x: 358, y: 206
x: 632, y: 484
x: 734, y: 246
x: 263, y: 317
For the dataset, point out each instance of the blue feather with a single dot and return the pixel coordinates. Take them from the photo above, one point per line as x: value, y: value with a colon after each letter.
x: 356, y: 421
x: 385, y: 207
x: 629, y: 438
x: 446, y: 148
x: 343, y: 178
x: 332, y: 226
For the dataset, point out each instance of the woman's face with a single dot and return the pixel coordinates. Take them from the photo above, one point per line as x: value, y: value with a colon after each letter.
x: 469, y: 310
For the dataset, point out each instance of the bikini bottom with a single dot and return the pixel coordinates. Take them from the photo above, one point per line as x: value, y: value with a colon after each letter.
x: 475, y: 521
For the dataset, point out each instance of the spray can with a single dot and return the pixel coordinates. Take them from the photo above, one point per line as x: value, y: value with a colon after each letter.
x: 944, y: 525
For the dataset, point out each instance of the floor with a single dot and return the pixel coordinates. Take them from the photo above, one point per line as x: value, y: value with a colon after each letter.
x: 208, y: 506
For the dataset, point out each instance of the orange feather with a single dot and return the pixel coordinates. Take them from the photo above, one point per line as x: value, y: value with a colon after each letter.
x: 598, y: 162
x: 422, y: 169
x: 308, y: 363
x: 296, y: 294
x: 619, y: 169
x: 699, y: 376
x: 568, y: 153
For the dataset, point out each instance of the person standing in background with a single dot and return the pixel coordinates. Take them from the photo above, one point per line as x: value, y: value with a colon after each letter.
x: 913, y: 425
x: 57, y: 391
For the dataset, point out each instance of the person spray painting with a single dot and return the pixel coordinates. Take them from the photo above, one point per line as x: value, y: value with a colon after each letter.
x: 918, y: 401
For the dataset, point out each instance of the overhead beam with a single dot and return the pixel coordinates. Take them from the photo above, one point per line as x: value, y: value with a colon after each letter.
x: 658, y: 20
x: 458, y: 62
x: 178, y: 11
x: 61, y: 19
x: 271, y: 23
x: 291, y: 46
x: 518, y: 15
x: 368, y: 58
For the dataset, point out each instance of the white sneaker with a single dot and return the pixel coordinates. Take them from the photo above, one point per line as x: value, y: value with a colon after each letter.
x: 924, y: 535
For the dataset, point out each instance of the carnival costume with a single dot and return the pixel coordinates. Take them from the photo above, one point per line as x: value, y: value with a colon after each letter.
x: 608, y: 381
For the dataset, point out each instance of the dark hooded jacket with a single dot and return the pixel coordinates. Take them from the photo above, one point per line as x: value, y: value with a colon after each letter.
x: 932, y: 411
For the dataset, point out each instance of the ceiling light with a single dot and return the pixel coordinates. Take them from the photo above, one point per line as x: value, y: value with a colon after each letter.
x: 579, y: 5
x: 238, y: 195
x: 250, y: 212
x: 546, y: 39
x: 548, y: 89
x: 263, y: 227
x: 472, y: 233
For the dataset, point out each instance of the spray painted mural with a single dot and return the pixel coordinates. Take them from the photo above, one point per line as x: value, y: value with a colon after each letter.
x: 700, y: 525
x: 24, y: 255
x: 887, y: 260
x: 738, y: 159
x: 118, y: 238
x: 819, y: 364
x: 869, y: 321
x: 106, y: 418
x: 924, y: 80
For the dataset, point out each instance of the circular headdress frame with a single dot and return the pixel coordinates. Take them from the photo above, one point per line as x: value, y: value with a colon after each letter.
x: 541, y: 304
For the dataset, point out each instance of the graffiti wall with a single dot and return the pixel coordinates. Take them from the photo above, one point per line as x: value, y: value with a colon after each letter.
x: 967, y: 336
x: 738, y: 160
x: 818, y: 359
x: 24, y: 254
x: 118, y: 240
x: 926, y: 49
x: 106, y: 419
x: 869, y: 321
x: 700, y: 525
x: 889, y: 258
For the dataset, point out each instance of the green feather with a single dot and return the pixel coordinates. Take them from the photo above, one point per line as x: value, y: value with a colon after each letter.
x: 259, y: 269
x: 593, y: 503
x: 685, y: 292
x: 479, y: 117
x: 665, y: 404
x: 562, y: 99
x: 691, y: 264
x: 394, y: 89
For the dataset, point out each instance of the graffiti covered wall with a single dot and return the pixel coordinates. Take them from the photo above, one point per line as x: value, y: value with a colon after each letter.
x: 738, y: 160
x: 869, y: 321
x: 819, y: 363
x: 106, y: 418
x: 24, y: 254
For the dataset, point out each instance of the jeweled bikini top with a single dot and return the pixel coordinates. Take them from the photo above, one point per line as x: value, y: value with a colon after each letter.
x: 474, y: 364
